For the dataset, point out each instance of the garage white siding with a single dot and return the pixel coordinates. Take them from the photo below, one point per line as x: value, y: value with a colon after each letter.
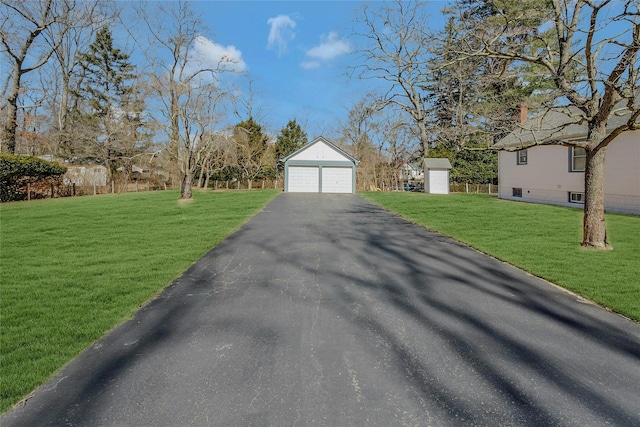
x: 337, y: 180
x: 321, y: 151
x: 320, y: 167
x: 304, y: 179
x: 438, y: 182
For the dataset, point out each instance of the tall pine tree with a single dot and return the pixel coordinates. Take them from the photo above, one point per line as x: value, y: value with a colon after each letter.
x: 112, y: 109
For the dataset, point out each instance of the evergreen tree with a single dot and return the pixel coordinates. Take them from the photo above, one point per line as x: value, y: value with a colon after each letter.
x: 112, y: 111
x: 250, y: 131
x: 108, y: 73
x: 476, y: 101
x: 290, y: 139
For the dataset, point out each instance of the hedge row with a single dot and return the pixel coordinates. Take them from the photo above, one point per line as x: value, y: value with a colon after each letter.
x: 18, y: 171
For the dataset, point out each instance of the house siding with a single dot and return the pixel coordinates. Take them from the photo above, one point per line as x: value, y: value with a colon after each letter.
x: 85, y: 175
x: 546, y: 178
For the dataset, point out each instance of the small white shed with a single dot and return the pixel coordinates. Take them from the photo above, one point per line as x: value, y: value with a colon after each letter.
x: 436, y: 176
x: 320, y: 167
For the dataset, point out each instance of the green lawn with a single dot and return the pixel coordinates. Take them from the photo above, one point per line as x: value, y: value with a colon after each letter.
x: 543, y: 240
x: 73, y: 268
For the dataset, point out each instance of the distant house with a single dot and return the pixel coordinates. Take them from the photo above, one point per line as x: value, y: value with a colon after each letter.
x: 86, y: 175
x: 411, y: 172
x: 554, y: 174
x: 320, y: 167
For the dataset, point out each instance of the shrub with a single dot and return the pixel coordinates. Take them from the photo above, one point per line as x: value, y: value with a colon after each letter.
x: 18, y: 171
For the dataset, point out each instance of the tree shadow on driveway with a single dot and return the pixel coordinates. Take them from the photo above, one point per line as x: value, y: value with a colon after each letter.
x: 328, y: 310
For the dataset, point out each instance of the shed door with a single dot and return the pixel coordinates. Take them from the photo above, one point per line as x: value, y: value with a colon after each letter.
x: 439, y: 182
x: 337, y: 180
x: 303, y: 179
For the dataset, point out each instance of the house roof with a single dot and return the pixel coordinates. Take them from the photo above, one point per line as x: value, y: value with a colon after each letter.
x: 443, y: 163
x: 411, y: 166
x: 555, y: 127
x: 327, y: 142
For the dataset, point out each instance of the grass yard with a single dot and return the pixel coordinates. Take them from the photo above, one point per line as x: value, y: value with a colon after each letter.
x: 73, y: 268
x: 543, y: 240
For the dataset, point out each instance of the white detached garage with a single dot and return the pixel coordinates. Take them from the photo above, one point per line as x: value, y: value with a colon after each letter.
x: 320, y: 167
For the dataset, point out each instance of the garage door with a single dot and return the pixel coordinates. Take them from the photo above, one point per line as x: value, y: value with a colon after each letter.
x: 337, y: 180
x: 304, y: 179
x: 438, y: 182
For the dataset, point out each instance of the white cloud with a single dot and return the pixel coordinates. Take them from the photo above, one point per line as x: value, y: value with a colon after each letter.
x: 310, y: 65
x: 330, y: 48
x: 280, y: 33
x: 207, y: 53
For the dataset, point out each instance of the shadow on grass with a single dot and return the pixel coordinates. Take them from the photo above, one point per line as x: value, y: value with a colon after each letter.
x: 463, y: 337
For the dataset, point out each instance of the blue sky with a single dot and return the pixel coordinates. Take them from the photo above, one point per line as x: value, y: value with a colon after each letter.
x: 295, y: 53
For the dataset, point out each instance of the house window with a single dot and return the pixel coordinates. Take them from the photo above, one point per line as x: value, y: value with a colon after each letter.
x: 576, y: 197
x: 521, y: 157
x: 517, y: 192
x: 578, y: 157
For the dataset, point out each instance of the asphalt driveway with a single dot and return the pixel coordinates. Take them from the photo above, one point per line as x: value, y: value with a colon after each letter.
x: 327, y: 310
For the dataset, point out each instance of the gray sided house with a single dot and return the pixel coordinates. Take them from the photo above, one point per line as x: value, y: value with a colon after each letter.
x: 320, y: 167
x: 436, y: 175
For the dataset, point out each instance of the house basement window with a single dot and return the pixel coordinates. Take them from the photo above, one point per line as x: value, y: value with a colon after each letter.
x: 517, y: 192
x: 521, y: 156
x: 575, y: 197
x: 578, y: 158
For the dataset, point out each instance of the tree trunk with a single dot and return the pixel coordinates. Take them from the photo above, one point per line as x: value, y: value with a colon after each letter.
x: 186, y: 186
x: 44, y: 9
x: 10, y: 126
x: 174, y: 142
x: 594, y: 227
x: 199, y: 185
x: 424, y: 136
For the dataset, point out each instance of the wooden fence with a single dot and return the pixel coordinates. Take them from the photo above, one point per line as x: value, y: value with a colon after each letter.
x: 55, y: 188
x: 473, y: 188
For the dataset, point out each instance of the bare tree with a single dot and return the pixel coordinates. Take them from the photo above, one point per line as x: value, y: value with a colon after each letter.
x: 178, y: 78
x: 359, y: 134
x: 197, y: 117
x: 398, y: 143
x: 220, y: 155
x: 208, y: 149
x: 28, y: 42
x: 591, y: 54
x: 255, y: 155
x: 62, y: 82
x: 396, y: 52
x: 215, y: 147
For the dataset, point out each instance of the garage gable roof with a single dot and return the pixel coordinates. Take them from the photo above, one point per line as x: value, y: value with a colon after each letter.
x: 326, y: 142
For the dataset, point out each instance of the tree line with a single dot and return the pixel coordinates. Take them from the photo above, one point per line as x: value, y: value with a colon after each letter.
x: 73, y: 92
x: 450, y: 91
x: 89, y: 103
x: 469, y: 84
